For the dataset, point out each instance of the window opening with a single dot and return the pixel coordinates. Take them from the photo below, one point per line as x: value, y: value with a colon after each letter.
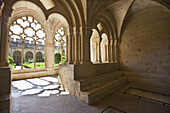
x: 27, y: 35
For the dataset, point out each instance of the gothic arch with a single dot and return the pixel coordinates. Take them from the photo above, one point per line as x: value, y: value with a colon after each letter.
x: 17, y: 57
x: 39, y: 56
x: 24, y: 8
x: 94, y: 46
x: 28, y: 55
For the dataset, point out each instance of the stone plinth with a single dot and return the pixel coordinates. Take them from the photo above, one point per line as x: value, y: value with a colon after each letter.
x: 82, y: 81
x: 5, y: 89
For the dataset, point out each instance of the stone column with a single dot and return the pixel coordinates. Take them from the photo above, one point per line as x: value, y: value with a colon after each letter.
x: 22, y: 53
x: 5, y: 76
x: 69, y: 35
x: 82, y: 45
x: 94, y: 51
x: 49, y: 55
x: 49, y: 50
x: 73, y: 44
x: 4, y: 40
x: 100, y: 57
x: 62, y: 53
x: 35, y: 55
x: 76, y: 44
x: 106, y: 54
x: 66, y: 48
x: 85, y: 44
x: 115, y: 51
x: 111, y: 51
x: 107, y: 51
x: 97, y: 53
x: 49, y: 47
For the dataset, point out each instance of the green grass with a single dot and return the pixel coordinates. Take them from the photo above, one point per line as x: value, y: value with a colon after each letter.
x: 31, y: 65
x: 13, y: 66
x: 56, y: 65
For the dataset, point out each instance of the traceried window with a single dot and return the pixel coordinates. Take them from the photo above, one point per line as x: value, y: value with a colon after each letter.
x: 60, y: 46
x: 30, y: 33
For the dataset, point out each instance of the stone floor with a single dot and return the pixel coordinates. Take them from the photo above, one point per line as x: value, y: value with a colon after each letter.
x: 44, y: 95
x: 131, y: 104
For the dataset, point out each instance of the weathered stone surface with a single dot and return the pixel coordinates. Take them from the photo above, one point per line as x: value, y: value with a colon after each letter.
x: 145, y: 42
x: 5, y: 90
x: 90, y: 88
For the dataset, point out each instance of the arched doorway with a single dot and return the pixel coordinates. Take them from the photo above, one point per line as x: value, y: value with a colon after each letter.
x: 17, y: 57
x: 38, y: 57
x: 28, y: 56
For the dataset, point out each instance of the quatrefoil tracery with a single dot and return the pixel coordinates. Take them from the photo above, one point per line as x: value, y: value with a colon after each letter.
x: 27, y: 27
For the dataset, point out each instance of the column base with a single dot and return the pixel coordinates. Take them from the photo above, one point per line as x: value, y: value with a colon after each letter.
x: 106, y: 62
x: 4, y: 63
x: 97, y: 62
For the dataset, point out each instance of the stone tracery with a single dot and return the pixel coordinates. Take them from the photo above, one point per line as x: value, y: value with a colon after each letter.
x: 26, y: 27
x: 60, y: 40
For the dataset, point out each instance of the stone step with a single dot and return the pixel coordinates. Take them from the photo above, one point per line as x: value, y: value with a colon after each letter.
x: 95, y: 94
x: 149, y: 95
x: 92, y: 82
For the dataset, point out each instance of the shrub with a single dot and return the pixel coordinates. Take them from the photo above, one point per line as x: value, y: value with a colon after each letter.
x: 10, y: 60
x: 57, y: 57
x: 43, y: 59
x: 64, y: 59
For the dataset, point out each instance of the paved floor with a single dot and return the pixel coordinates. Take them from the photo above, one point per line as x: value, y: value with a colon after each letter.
x: 131, y: 104
x: 44, y: 95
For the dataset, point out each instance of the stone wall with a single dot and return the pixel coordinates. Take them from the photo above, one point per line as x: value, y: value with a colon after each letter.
x: 145, y: 45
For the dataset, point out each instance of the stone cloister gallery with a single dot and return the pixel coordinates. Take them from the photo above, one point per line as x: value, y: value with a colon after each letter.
x: 112, y: 47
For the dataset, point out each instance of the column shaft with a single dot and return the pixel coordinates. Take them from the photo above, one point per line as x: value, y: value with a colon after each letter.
x: 34, y: 55
x: 4, y: 40
x: 115, y: 51
x: 22, y: 54
x: 61, y: 53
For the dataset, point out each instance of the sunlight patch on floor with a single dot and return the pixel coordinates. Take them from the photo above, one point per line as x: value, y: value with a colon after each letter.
x: 48, y: 93
x: 38, y: 81
x: 51, y: 87
x: 64, y: 93
x: 51, y: 79
x: 22, y: 85
x: 41, y: 87
x: 31, y: 91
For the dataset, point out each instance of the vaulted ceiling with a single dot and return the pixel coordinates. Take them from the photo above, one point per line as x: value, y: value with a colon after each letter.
x: 115, y: 13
